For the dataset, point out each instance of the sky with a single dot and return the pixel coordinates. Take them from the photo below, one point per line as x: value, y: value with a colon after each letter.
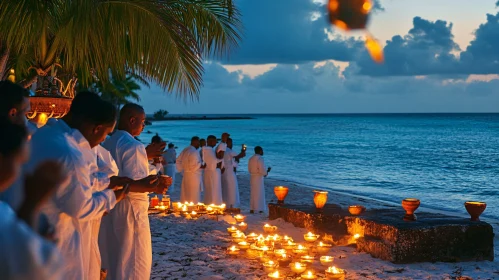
x: 440, y: 56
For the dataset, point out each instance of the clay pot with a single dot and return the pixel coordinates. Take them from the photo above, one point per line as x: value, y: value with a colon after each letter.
x: 281, y: 193
x: 410, y: 205
x: 475, y: 209
x: 356, y: 209
x: 320, y: 199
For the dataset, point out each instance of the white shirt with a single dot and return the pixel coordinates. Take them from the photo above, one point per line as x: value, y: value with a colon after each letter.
x: 170, y: 156
x: 210, y: 158
x: 189, y: 160
x: 229, y: 158
x: 24, y: 254
x: 74, y: 201
x: 256, y: 166
x: 130, y: 156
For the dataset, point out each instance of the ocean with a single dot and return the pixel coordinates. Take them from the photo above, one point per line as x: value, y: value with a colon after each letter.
x: 442, y: 159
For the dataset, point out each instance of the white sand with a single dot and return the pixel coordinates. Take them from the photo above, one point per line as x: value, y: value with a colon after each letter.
x: 195, y: 249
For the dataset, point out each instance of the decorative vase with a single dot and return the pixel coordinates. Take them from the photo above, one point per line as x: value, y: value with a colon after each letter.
x: 320, y: 199
x: 475, y: 209
x: 356, y: 209
x: 410, y: 205
x: 281, y: 193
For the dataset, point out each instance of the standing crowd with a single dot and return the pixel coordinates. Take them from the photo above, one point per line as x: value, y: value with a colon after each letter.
x: 74, y: 192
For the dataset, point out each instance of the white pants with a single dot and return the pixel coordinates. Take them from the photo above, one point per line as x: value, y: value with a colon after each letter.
x: 212, y: 187
x: 257, y: 187
x: 230, y: 188
x: 125, y: 240
x: 171, y: 171
x: 190, y: 191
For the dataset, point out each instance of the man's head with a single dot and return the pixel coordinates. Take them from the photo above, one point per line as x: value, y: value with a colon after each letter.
x: 229, y: 143
x: 171, y: 146
x: 13, y: 151
x: 202, y: 142
x: 92, y: 116
x: 15, y: 102
x: 211, y: 141
x: 259, y: 150
x: 225, y: 136
x: 132, y: 119
x: 195, y: 142
x: 156, y: 139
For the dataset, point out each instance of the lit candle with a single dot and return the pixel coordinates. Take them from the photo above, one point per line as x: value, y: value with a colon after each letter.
x: 276, y: 275
x: 269, y: 266
x: 326, y: 260
x: 239, y: 218
x: 356, y: 236
x: 289, y: 245
x: 335, y: 273
x: 300, y: 250
x: 279, y: 252
x: 298, y: 267
x: 310, y: 237
x: 184, y: 208
x: 308, y: 275
x: 307, y: 259
x: 269, y: 229
x: 232, y: 229
x: 242, y: 226
x: 323, y: 248
x: 243, y: 245
x: 238, y: 237
x: 162, y: 208
x: 233, y: 250
x: 194, y: 214
x: 209, y: 209
x: 287, y: 238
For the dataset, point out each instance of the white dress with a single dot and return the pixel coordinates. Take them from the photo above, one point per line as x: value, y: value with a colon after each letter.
x: 125, y: 232
x: 75, y: 203
x: 257, y: 170
x: 170, y: 157
x: 230, y: 187
x: 189, y: 162
x: 24, y: 254
x: 212, y: 178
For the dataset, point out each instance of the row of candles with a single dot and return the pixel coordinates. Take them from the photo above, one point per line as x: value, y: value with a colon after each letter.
x: 277, y: 251
x: 191, y: 209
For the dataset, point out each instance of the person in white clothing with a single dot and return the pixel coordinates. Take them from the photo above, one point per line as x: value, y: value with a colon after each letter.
x: 230, y: 187
x: 157, y: 163
x: 212, y: 173
x: 189, y: 162
x: 69, y: 141
x: 125, y: 232
x: 257, y: 170
x: 202, y: 143
x: 170, y: 160
x: 25, y: 254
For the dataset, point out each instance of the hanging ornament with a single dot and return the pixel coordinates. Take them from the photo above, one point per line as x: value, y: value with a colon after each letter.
x: 354, y: 15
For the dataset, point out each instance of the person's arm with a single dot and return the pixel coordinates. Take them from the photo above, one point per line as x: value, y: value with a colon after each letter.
x: 136, y: 166
x: 194, y: 162
x: 262, y: 169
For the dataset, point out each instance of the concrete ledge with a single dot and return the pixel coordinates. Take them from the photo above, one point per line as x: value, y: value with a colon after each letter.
x: 386, y: 236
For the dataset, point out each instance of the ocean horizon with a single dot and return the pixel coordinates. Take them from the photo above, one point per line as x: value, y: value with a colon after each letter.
x: 444, y: 159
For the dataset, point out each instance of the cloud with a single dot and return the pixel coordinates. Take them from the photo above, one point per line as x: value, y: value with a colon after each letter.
x: 429, y: 49
x: 282, y: 31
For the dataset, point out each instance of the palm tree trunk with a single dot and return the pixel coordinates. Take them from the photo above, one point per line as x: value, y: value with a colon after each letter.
x: 3, y: 63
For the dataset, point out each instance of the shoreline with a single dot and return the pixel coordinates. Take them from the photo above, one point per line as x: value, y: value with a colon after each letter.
x: 195, y: 249
x: 196, y: 118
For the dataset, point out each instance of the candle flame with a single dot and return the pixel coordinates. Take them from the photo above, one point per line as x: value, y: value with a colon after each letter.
x: 356, y: 236
x: 275, y: 274
x: 266, y: 225
x: 309, y: 273
x: 193, y: 213
x: 233, y: 248
x: 271, y: 262
x: 298, y: 265
x: 300, y: 247
x: 374, y: 49
x: 334, y: 270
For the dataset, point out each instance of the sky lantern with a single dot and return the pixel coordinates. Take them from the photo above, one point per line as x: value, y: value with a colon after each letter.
x: 353, y: 15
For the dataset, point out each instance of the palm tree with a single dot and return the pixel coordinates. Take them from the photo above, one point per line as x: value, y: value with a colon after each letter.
x: 121, y: 91
x: 59, y: 42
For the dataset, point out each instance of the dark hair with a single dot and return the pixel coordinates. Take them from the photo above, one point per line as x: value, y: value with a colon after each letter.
x: 258, y: 149
x: 131, y: 108
x: 13, y: 136
x: 211, y: 137
x: 156, y: 139
x: 194, y: 138
x: 12, y: 96
x: 171, y: 145
x: 90, y: 108
x: 202, y: 139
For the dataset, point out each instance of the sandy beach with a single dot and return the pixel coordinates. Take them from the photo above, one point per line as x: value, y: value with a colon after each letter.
x: 195, y: 249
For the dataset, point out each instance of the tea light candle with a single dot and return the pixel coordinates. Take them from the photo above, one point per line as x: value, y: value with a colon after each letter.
x: 307, y: 259
x: 252, y: 237
x: 289, y: 245
x: 162, y: 208
x: 269, y: 229
x: 323, y: 248
x: 300, y: 250
x: 243, y: 245
x: 287, y: 238
x: 242, y: 226
x: 184, y: 208
x: 232, y: 229
x: 326, y: 260
x: 298, y: 267
x: 310, y: 237
x: 240, y: 218
x: 356, y: 236
x: 276, y: 275
x: 156, y: 207
x: 308, y: 275
x: 269, y: 266
x: 233, y: 250
x: 194, y: 214
x: 335, y: 273
x: 238, y: 237
x: 279, y: 252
